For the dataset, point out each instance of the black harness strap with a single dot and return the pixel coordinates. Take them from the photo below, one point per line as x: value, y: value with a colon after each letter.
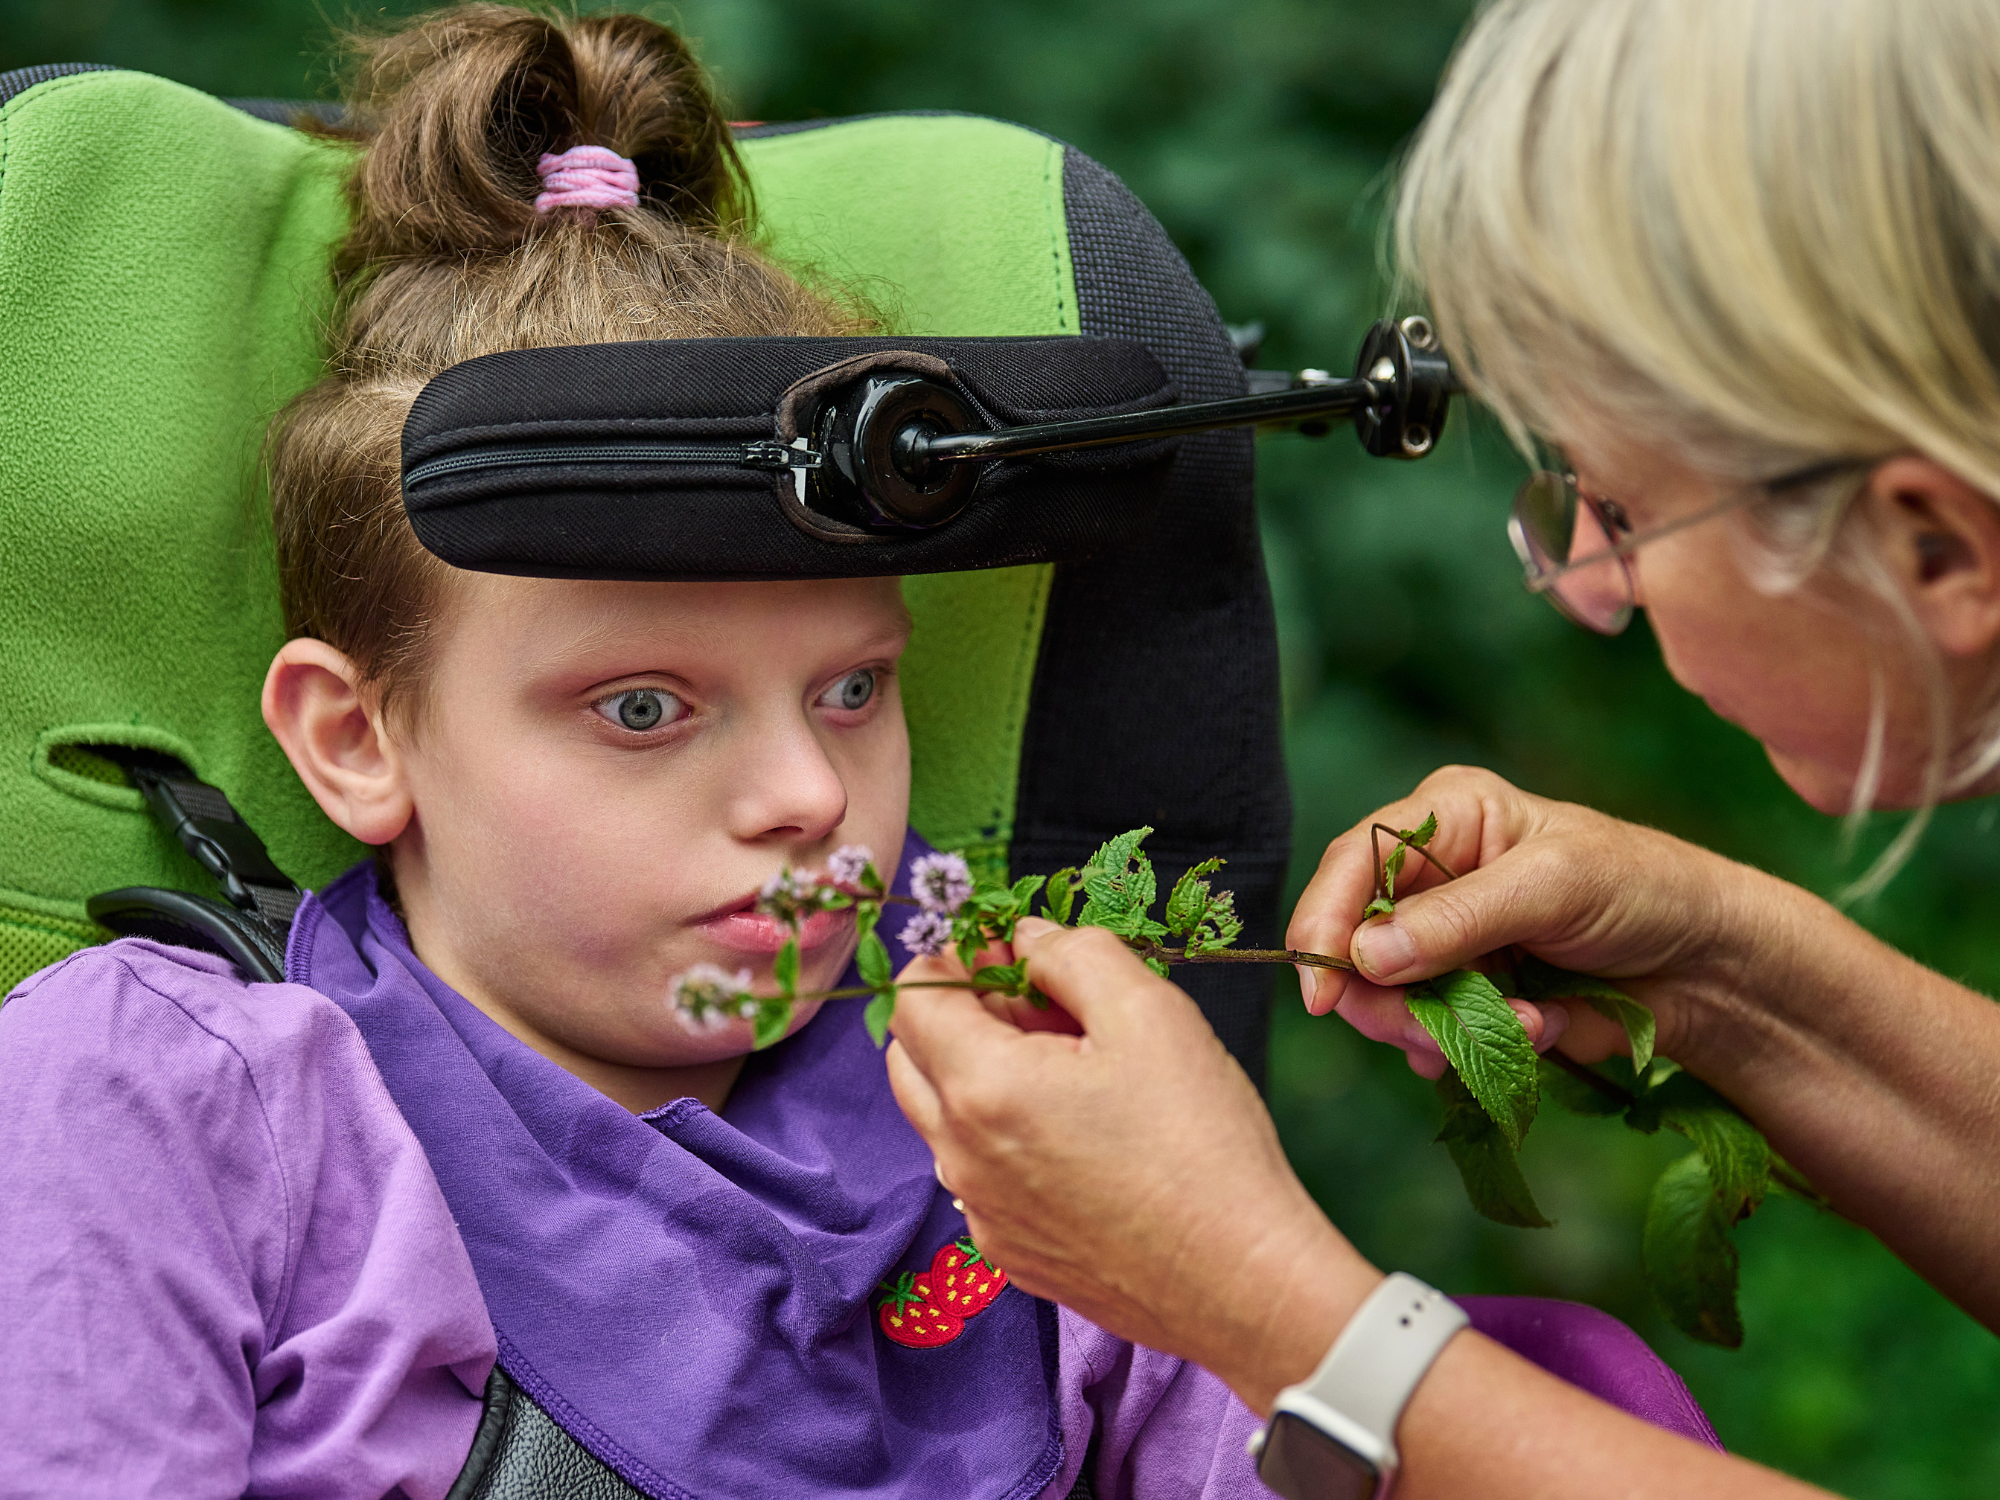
x: 249, y: 931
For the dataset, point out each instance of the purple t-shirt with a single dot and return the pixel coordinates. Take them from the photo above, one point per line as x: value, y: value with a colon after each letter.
x: 226, y: 1267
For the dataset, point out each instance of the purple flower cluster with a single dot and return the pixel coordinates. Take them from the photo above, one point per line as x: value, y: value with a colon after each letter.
x: 927, y: 934
x: 848, y: 865
x: 790, y: 896
x: 941, y: 882
x: 708, y: 998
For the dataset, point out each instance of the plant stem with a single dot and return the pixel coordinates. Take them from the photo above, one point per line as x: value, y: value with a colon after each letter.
x: 1246, y: 956
x: 1605, y: 1086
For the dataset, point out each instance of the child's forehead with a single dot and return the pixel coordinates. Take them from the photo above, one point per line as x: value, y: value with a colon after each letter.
x: 564, y: 618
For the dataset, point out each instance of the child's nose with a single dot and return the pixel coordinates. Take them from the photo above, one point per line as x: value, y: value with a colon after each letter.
x: 788, y: 788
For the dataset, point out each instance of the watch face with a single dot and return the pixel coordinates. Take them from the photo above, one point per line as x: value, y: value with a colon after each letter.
x: 1302, y: 1463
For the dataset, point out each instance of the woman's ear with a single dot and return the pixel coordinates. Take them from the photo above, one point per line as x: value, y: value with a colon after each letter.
x: 333, y: 734
x: 1941, y: 537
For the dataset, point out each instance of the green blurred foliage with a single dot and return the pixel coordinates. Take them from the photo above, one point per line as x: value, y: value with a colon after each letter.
x: 1262, y: 133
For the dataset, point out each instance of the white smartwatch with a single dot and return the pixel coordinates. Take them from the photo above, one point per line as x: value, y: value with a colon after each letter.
x: 1334, y: 1436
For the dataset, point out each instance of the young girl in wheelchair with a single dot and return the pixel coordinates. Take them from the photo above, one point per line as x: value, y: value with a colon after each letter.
x: 271, y: 1240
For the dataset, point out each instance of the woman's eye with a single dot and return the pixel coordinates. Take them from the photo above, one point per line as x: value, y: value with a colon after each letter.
x: 852, y: 691
x: 1615, y: 517
x: 640, y: 709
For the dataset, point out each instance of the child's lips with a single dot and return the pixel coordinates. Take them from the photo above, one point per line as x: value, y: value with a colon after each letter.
x: 748, y: 931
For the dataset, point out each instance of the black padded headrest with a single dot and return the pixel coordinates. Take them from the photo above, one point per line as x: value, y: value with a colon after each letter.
x: 673, y: 459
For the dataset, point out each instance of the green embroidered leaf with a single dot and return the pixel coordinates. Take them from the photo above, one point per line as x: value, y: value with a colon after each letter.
x: 1488, y: 1166
x: 1571, y: 1093
x: 785, y: 968
x: 1189, y: 898
x: 1540, y: 981
x: 881, y: 1010
x: 1734, y: 1152
x: 872, y: 959
x: 1689, y: 1260
x: 1484, y: 1040
x: 772, y: 1021
x: 1061, y: 895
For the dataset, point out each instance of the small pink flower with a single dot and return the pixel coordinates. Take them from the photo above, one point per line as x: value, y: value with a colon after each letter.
x: 848, y: 865
x: 927, y: 934
x: 941, y: 882
x: 706, y: 997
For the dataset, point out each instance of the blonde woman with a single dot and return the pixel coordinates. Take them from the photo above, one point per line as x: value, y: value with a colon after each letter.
x: 1735, y: 265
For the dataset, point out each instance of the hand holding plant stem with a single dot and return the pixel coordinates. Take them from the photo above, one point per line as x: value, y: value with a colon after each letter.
x: 1491, y: 1090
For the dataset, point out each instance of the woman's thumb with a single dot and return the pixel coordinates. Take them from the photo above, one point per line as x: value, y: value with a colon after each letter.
x: 1439, y: 929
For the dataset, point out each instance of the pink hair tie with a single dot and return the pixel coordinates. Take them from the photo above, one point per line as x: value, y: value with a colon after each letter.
x: 587, y: 177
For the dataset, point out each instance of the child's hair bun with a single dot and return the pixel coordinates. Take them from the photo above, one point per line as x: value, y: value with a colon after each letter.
x: 458, y: 110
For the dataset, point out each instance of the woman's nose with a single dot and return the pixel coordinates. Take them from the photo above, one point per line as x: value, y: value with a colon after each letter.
x: 787, y: 786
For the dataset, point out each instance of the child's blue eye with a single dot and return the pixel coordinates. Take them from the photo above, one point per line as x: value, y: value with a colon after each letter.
x: 640, y: 709
x: 852, y: 691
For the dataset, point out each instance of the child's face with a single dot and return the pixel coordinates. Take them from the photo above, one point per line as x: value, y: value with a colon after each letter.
x: 602, y: 775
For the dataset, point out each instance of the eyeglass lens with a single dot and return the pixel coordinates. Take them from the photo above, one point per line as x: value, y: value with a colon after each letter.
x: 1555, y: 530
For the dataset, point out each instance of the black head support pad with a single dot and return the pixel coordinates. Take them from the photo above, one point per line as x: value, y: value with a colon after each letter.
x: 776, y: 457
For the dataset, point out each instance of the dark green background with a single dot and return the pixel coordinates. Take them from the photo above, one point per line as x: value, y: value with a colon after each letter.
x: 1261, y: 133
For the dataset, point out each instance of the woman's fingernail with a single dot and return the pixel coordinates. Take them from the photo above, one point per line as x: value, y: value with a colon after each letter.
x: 1308, y: 984
x: 1555, y: 1021
x: 1384, y: 949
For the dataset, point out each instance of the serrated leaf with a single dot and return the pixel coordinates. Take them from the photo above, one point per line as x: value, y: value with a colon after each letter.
x: 1392, y: 864
x: 1024, y: 892
x: 1486, y: 1164
x: 872, y: 959
x: 1060, y: 897
x: 1189, y: 898
x: 1689, y: 1260
x: 1121, y: 885
x: 866, y: 915
x: 1381, y: 906
x: 1733, y: 1151
x: 1484, y: 1041
x: 1423, y: 833
x: 785, y: 968
x: 881, y: 1010
x: 1004, y: 978
x: 1219, y: 926
x: 1543, y: 981
x: 1568, y: 1092
x: 773, y: 1020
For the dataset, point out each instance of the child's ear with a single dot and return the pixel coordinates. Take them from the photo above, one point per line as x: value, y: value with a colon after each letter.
x: 333, y: 734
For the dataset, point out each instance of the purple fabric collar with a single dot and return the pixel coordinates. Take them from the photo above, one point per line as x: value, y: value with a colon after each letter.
x: 690, y: 1295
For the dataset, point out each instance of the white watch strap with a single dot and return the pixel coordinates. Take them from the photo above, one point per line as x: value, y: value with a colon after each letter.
x: 1385, y: 1349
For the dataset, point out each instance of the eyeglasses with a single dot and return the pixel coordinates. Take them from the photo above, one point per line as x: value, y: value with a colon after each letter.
x: 1573, y: 546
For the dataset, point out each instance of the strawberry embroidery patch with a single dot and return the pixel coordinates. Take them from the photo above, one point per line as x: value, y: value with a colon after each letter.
x: 962, y: 1280
x: 927, y: 1309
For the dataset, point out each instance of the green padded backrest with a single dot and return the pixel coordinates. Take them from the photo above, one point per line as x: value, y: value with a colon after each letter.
x: 162, y: 293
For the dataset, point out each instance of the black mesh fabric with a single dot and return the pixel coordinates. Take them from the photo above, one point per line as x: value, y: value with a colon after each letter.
x: 681, y: 520
x: 290, y: 111
x: 1156, y: 698
x: 20, y: 80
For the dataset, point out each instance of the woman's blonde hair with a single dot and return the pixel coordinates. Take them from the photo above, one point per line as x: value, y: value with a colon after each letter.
x: 446, y: 258
x: 1765, y: 232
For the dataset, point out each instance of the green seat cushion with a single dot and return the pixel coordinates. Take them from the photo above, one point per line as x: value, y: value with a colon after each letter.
x: 162, y: 289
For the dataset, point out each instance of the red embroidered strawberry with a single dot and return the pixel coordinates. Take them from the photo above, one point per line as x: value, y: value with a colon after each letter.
x: 964, y: 1281
x: 910, y: 1318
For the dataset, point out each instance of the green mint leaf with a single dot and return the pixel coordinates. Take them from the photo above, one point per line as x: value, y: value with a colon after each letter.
x: 1158, y: 965
x: 1392, y: 865
x: 1391, y: 868
x: 1189, y: 898
x: 1024, y: 893
x: 1219, y: 926
x: 1688, y: 1258
x: 1061, y: 894
x: 1541, y: 981
x: 866, y: 915
x: 1488, y: 1166
x: 1734, y: 1152
x: 1484, y: 1040
x: 1568, y: 1092
x: 872, y: 959
x: 878, y: 1015
x: 1007, y: 979
x: 1423, y: 833
x: 1120, y: 883
x: 1381, y: 906
x: 773, y: 1020
x: 785, y: 968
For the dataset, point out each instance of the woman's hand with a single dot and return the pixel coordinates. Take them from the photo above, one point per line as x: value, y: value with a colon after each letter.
x: 1576, y: 888
x: 1125, y: 1168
